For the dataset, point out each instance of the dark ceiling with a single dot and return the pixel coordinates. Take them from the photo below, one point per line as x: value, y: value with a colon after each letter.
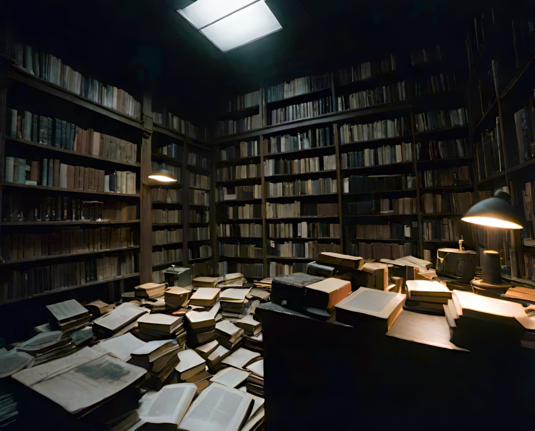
x: 137, y: 44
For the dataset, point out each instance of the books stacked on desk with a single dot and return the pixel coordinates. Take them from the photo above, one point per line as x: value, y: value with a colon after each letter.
x: 67, y: 315
x: 427, y: 297
x: 175, y: 297
x: 150, y: 290
x: 234, y: 300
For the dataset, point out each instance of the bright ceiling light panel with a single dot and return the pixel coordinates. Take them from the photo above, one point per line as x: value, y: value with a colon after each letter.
x: 229, y: 24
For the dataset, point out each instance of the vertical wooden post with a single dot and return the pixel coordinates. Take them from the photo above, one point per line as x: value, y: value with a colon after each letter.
x: 265, y: 238
x: 145, y: 202
x: 418, y: 185
x: 185, y: 204
x: 212, y: 210
x: 339, y: 187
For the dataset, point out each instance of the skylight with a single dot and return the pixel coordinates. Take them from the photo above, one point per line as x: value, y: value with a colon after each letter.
x: 229, y: 24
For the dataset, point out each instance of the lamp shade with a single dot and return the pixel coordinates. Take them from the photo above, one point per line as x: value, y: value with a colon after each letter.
x: 494, y: 212
x: 163, y: 176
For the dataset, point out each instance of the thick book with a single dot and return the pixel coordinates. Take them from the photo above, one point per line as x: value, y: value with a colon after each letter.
x: 326, y: 293
x: 289, y: 290
x: 340, y: 260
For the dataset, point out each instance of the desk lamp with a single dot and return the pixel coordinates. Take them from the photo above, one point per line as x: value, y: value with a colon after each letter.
x: 493, y: 212
x: 163, y: 176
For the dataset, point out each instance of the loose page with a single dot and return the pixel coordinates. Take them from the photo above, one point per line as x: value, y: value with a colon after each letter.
x: 121, y: 347
x: 169, y: 405
x: 240, y: 358
x: 230, y: 377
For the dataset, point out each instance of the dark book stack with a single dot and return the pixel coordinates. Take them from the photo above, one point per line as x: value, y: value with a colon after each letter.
x: 427, y: 297
x: 200, y: 251
x: 41, y: 279
x: 441, y: 83
x: 376, y: 96
x: 198, y: 233
x: 382, y: 206
x: 385, y: 155
x: 296, y: 87
x: 382, y: 129
x: 25, y: 246
x: 447, y: 177
x: 32, y: 208
x: 439, y: 150
x: 382, y: 231
x: 289, y: 290
x: 279, y: 269
x: 167, y: 255
x: 240, y: 250
x: 243, y: 101
x: 312, y: 138
x: 199, y: 181
x: 240, y: 212
x: 240, y: 172
x: 171, y: 150
x: 443, y: 203
x: 229, y: 335
x: 230, y: 127
x: 239, y: 230
x: 49, y: 68
x: 356, y: 73
x: 302, y: 187
x: 372, y: 183
x: 244, y: 149
x: 185, y: 127
x: 198, y: 160
x: 198, y: 216
x: 239, y: 192
x: 301, y: 209
x: 302, y: 110
x: 441, y: 119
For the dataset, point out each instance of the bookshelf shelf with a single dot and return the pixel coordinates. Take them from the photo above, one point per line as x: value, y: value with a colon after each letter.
x: 169, y: 244
x: 200, y: 259
x: 442, y: 215
x: 328, y: 173
x: 199, y: 222
x: 447, y: 188
x: 319, y: 195
x: 199, y: 240
x: 303, y: 217
x: 239, y: 181
x: 176, y: 135
x: 378, y: 215
x: 441, y: 241
x: 241, y: 220
x: 67, y: 223
x: 239, y: 238
x: 380, y: 192
x: 199, y: 170
x: 199, y: 206
x: 315, y: 150
x: 60, y: 189
x: 239, y: 201
x: 382, y: 240
x: 299, y: 96
x: 158, y: 265
x: 442, y: 131
x: 369, y: 168
x: 23, y: 77
x: 167, y: 224
x: 326, y: 238
x: 291, y: 258
x: 376, y: 141
x: 240, y: 258
x: 61, y: 256
x: 168, y: 203
x: 446, y: 161
x: 492, y: 177
x: 171, y: 160
x: 48, y: 148
x: 67, y: 289
x: 199, y: 188
x: 238, y: 161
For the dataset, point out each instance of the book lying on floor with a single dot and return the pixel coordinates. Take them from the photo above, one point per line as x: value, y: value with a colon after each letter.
x: 160, y: 323
x: 230, y: 377
x: 120, y: 347
x: 169, y: 405
x: 67, y: 315
x: 202, y: 319
x: 249, y: 325
x: 206, y: 350
x: 190, y: 364
x: 117, y: 319
x: 205, y: 296
x: 218, y: 408
x: 176, y: 296
x: 151, y: 351
x: 257, y: 368
x: 240, y: 358
x: 98, y: 308
x: 370, y: 309
x: 90, y: 375
x: 206, y: 281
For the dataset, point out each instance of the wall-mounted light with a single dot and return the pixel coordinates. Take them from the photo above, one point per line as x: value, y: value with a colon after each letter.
x: 163, y: 176
x: 229, y: 24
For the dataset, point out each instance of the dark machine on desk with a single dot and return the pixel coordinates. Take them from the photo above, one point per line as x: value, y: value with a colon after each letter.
x: 493, y: 212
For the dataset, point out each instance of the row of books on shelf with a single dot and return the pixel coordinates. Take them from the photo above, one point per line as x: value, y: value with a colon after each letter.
x: 201, y: 269
x: 198, y: 233
x: 445, y: 229
x: 240, y: 172
x: 373, y: 183
x: 449, y: 149
x: 51, y: 69
x: 297, y: 87
x: 390, y: 93
x: 382, y: 231
x: 382, y: 206
x: 239, y: 192
x: 175, y: 171
x: 525, y: 129
x: 200, y: 252
x: 240, y: 212
x: 18, y: 284
x: 243, y: 101
x: 243, y: 149
x: 440, y: 83
x: 447, y: 177
x: 426, y: 55
x: 303, y: 110
x: 199, y: 181
x: 249, y: 270
x: 166, y: 216
x: 62, y: 134
x: 312, y: 138
x: 39, y: 208
x: 239, y: 230
x: 385, y: 155
x: 167, y: 236
x: 164, y: 195
x: 198, y: 160
x: 230, y: 127
x: 490, y: 152
x: 299, y: 166
x: 301, y: 187
x: 304, y: 229
x: 380, y: 250
x: 277, y: 269
x: 357, y: 73
x: 199, y: 197
x: 53, y: 173
x: 171, y: 150
x: 382, y: 129
x: 441, y: 119
x: 240, y: 250
x: 23, y: 246
x: 308, y: 250
x: 301, y: 209
x: 199, y: 216
x: 454, y: 203
x: 167, y: 255
x: 181, y: 126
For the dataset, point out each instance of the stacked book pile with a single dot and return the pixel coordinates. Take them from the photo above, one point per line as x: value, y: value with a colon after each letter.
x: 427, y: 297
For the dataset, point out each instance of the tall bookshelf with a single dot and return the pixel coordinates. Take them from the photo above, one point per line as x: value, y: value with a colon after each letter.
x: 500, y: 100
x: 402, y: 98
